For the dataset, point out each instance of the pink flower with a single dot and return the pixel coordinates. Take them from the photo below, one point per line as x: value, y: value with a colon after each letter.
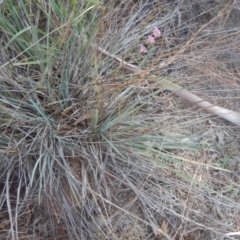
x: 142, y: 49
x: 151, y: 39
x: 156, y: 32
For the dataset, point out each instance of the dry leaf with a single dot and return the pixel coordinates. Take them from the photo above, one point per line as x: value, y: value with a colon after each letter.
x: 164, y: 229
x: 82, y: 118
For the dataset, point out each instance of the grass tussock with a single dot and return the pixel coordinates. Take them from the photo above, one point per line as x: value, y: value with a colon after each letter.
x: 90, y: 150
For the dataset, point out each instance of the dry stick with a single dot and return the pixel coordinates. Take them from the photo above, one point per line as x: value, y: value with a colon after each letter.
x: 231, y: 116
x: 233, y: 234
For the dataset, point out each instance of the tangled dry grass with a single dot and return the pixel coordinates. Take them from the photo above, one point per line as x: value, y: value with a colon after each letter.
x: 90, y: 150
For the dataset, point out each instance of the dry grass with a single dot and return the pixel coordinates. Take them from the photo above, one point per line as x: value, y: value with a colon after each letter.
x: 92, y: 151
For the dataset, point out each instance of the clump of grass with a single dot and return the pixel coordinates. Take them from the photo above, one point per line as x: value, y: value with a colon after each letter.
x: 83, y: 140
